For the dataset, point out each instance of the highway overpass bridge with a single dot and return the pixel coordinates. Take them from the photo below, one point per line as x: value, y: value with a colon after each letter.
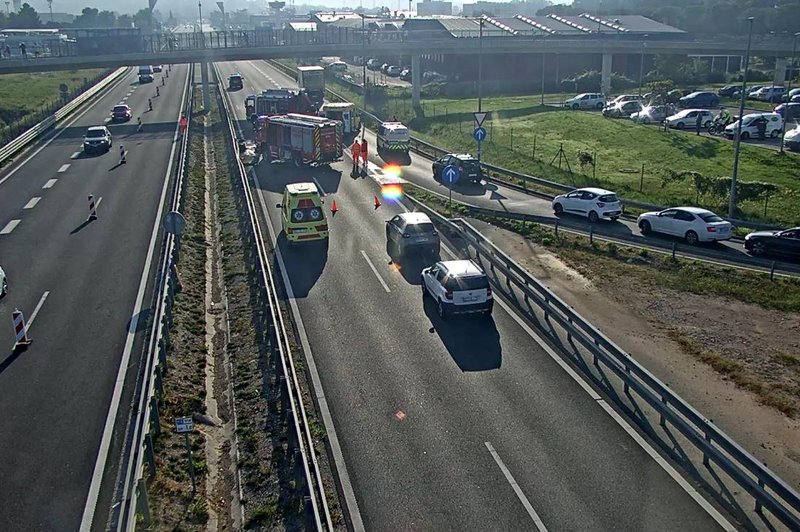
x: 182, y: 48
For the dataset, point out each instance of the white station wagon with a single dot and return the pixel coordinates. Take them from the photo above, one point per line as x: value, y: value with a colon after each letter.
x: 594, y: 203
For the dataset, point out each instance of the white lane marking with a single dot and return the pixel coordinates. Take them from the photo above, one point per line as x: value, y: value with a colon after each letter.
x: 9, y: 227
x: 319, y: 187
x: 97, y: 203
x: 32, y: 203
x: 63, y: 168
x: 520, y: 495
x: 50, y: 183
x: 704, y: 504
x: 125, y: 99
x: 58, y: 133
x: 375, y: 271
x: 113, y: 407
x: 37, y: 309
x: 75, y: 155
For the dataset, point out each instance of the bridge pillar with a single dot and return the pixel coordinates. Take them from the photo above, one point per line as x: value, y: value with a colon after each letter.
x: 416, y: 79
x: 204, y: 79
x: 780, y: 71
x: 605, y: 75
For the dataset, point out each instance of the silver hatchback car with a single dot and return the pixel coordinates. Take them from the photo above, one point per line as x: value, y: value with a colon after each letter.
x: 411, y: 231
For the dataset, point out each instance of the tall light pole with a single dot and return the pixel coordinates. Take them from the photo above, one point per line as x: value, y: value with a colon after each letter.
x: 738, y: 141
x: 641, y: 66
x: 364, y: 58
x: 480, y: 75
x: 200, y: 10
x: 50, y: 6
x: 788, y: 90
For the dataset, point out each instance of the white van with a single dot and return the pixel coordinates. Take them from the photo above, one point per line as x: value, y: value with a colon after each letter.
x: 145, y: 70
x: 393, y: 136
x: 749, y: 129
x: 792, y: 139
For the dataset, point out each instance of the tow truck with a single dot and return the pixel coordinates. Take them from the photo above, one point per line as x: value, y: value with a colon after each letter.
x: 305, y: 140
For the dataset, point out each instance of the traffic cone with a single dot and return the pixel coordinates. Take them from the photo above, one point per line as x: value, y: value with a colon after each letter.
x: 122, y: 154
x: 21, y: 330
x: 334, y: 208
x: 92, y: 208
x: 377, y: 202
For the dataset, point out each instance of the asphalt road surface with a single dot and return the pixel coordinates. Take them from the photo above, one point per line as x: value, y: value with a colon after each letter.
x: 464, y: 425
x: 84, y: 281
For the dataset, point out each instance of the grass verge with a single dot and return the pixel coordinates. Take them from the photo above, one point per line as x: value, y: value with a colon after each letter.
x: 21, y: 94
x: 640, y: 272
x: 172, y: 504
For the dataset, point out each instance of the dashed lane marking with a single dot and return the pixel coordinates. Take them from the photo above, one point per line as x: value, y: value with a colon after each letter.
x: 77, y: 153
x: 50, y: 183
x: 375, y: 271
x: 63, y: 168
x: 520, y: 494
x: 32, y: 203
x: 9, y: 227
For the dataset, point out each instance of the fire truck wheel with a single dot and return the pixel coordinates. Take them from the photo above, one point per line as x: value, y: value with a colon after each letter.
x: 298, y: 160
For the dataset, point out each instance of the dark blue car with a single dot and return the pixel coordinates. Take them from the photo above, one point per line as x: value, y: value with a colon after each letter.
x: 699, y: 99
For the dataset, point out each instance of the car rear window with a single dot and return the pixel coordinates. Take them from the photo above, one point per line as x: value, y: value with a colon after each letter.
x: 457, y: 284
x: 471, y: 166
x: 120, y: 109
x: 95, y: 133
x: 710, y: 217
x: 609, y: 198
x: 419, y: 229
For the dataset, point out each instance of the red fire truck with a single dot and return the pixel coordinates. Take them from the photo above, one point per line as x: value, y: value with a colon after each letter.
x: 304, y: 140
x: 278, y: 102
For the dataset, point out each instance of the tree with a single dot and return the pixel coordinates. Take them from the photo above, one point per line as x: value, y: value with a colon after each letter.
x: 142, y: 18
x: 124, y: 21
x: 25, y: 18
x: 106, y: 19
x: 87, y: 18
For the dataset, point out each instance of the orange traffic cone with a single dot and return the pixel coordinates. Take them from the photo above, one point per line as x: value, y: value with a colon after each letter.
x: 334, y: 208
x: 377, y: 202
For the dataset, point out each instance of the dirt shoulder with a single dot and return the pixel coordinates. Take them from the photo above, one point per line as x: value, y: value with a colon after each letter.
x: 738, y: 363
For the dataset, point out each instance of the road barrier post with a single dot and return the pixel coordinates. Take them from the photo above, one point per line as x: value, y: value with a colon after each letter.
x: 772, y: 271
x: 154, y: 419
x: 591, y: 234
x: 674, y: 248
x: 142, y: 505
x: 149, y: 454
x: 159, y: 381
x: 92, y: 208
x: 20, y: 330
x: 641, y: 179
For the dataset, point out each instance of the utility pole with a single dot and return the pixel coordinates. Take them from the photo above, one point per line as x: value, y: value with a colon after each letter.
x: 788, y: 90
x: 200, y: 10
x: 641, y: 66
x: 480, y: 75
x: 364, y: 59
x: 738, y: 140
x: 50, y: 6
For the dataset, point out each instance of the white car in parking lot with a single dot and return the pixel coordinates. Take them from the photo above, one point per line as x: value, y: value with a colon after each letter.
x: 587, y: 100
x: 594, y: 203
x: 693, y: 224
x: 792, y: 139
x: 688, y: 118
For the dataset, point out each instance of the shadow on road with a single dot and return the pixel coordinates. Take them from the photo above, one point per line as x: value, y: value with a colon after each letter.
x: 395, y: 157
x: 274, y: 176
x: 411, y: 265
x: 82, y: 226
x: 472, y: 340
x: 304, y: 263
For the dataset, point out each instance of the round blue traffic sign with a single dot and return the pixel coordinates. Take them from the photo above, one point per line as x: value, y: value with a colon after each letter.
x: 451, y: 174
x: 479, y: 134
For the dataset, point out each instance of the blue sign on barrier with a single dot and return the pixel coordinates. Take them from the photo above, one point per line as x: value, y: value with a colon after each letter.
x: 479, y: 134
x: 450, y: 174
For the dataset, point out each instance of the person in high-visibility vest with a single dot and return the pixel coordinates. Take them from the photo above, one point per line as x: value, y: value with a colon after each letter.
x: 355, y: 151
x: 364, y: 153
x: 183, y: 124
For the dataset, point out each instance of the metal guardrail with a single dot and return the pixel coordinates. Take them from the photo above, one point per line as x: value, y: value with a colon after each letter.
x: 300, y: 440
x: 767, y: 489
x: 34, y: 132
x: 132, y: 499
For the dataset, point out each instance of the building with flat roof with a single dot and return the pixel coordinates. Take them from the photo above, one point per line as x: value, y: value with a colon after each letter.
x: 428, y: 8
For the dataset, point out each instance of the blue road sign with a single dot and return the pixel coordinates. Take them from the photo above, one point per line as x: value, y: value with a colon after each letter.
x: 451, y: 174
x: 479, y: 134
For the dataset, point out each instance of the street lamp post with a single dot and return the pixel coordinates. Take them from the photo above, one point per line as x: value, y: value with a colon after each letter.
x: 200, y: 11
x: 480, y: 75
x: 738, y: 141
x: 788, y: 90
x: 50, y: 6
x: 364, y: 58
x: 641, y: 66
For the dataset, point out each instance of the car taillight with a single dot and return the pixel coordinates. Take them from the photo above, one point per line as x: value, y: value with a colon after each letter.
x: 323, y: 227
x: 435, y: 233
x: 711, y: 229
x: 601, y: 204
x: 288, y: 230
x: 406, y: 235
x: 488, y: 291
x: 448, y: 294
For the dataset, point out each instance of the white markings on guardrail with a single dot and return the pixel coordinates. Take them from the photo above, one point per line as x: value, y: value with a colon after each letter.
x: 50, y: 183
x: 32, y: 202
x: 75, y: 155
x: 9, y: 227
x: 520, y: 495
x: 113, y: 407
x: 375, y: 271
x: 63, y: 168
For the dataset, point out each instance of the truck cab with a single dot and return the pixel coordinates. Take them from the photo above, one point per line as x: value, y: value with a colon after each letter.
x: 345, y: 113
